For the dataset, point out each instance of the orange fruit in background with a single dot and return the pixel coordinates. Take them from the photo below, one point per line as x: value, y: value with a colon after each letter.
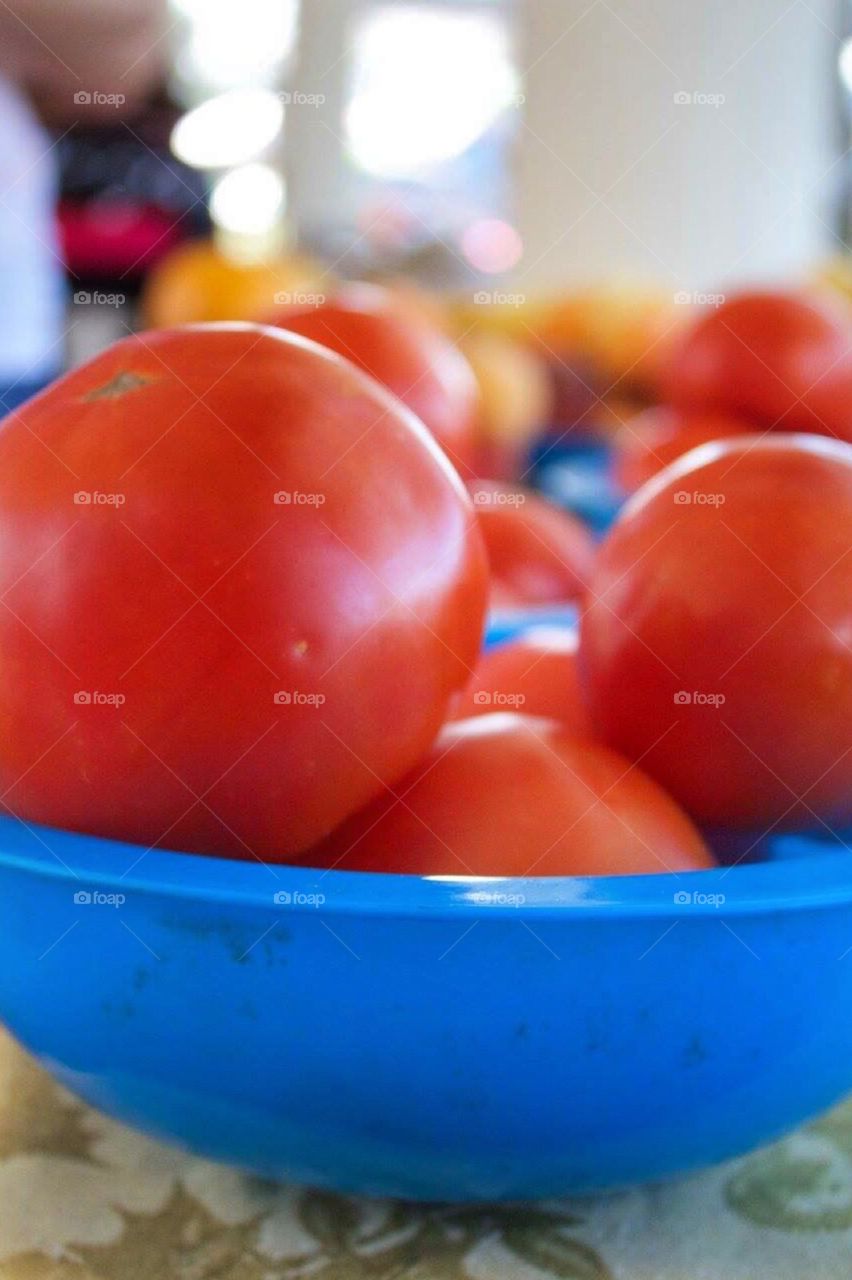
x: 622, y: 329
x: 507, y: 310
x: 198, y: 282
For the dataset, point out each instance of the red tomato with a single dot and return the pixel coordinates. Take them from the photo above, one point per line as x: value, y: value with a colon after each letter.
x: 716, y: 646
x: 661, y: 435
x: 538, y: 553
x: 509, y: 795
x: 783, y: 359
x: 241, y: 585
x: 412, y: 358
x: 536, y: 675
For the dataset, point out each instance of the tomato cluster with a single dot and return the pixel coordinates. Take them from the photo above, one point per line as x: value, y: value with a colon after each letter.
x: 244, y: 591
x: 760, y: 361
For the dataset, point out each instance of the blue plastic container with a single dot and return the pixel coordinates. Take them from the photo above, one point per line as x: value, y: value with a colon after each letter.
x: 449, y: 1040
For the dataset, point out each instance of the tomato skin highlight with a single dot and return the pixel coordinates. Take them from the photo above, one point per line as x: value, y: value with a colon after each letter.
x: 510, y: 795
x: 260, y: 528
x: 405, y: 353
x: 537, y: 552
x: 715, y: 643
x: 658, y: 436
x: 535, y: 675
x: 782, y: 359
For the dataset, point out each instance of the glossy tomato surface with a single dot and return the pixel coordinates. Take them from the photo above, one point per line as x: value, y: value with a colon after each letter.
x: 403, y: 351
x: 716, y: 645
x: 781, y: 358
x: 510, y: 795
x: 535, y: 675
x: 240, y: 585
x: 538, y: 553
x: 660, y: 435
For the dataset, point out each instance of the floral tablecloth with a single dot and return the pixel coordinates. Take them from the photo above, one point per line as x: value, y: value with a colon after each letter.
x: 82, y: 1197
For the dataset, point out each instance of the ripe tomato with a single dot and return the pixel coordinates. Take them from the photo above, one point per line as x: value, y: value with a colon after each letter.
x: 412, y: 358
x: 783, y: 359
x: 660, y: 435
x: 536, y: 675
x: 240, y: 584
x: 715, y: 646
x: 538, y: 553
x: 509, y: 795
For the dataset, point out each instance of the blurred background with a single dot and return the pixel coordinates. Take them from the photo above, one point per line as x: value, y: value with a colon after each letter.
x: 555, y: 184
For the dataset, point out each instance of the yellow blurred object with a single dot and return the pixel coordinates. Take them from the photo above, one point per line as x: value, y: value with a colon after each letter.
x: 509, y: 312
x: 619, y: 329
x: 623, y: 330
x: 835, y: 276
x: 198, y: 281
x: 514, y: 388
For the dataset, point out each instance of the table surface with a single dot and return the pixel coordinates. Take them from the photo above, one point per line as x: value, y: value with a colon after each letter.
x: 82, y: 1197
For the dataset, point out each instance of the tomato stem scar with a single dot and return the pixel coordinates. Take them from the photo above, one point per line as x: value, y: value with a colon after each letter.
x: 118, y: 386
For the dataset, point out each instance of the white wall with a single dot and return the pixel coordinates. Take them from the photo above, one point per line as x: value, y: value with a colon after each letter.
x: 615, y: 175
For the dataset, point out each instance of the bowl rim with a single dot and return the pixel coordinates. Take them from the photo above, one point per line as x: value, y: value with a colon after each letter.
x: 94, y: 864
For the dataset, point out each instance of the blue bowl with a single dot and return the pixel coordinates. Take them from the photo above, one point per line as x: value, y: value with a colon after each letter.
x: 432, y: 1039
